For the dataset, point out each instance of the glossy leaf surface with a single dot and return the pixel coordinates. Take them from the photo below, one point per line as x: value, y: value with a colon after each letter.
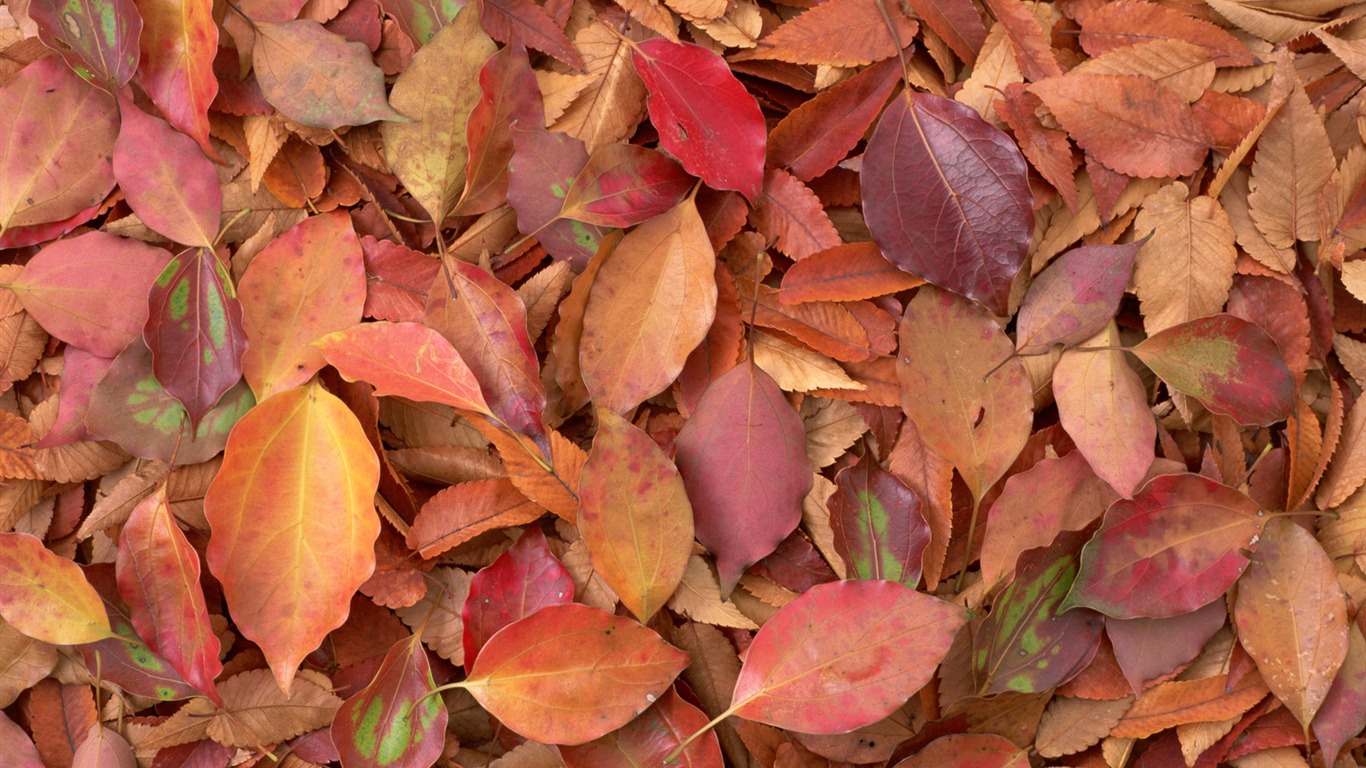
x: 293, y: 519
x: 946, y: 198
x: 648, y: 739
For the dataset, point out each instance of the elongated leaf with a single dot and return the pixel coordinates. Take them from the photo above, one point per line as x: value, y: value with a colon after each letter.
x: 307, y: 283
x: 461, y: 512
x: 47, y: 597
x: 294, y: 526
x: 820, y: 133
x: 977, y: 419
x: 485, y: 321
x: 1074, y: 297
x: 318, y: 78
x: 634, y: 515
x: 1177, y: 546
x: 543, y: 166
x: 1343, y: 713
x: 91, y: 290
x: 1292, y: 617
x: 194, y: 330
x: 742, y: 456
x: 652, y: 303
x: 648, y: 739
x: 624, y: 185
x: 724, y: 143
x: 510, y: 100
x: 946, y: 197
x: 1230, y: 365
x: 844, y: 655
x: 98, y: 38
x: 130, y: 407
x: 523, y: 580
x: 404, y: 359
x: 437, y: 90
x: 1026, y: 643
x: 178, y: 44
x: 878, y: 526
x: 569, y: 674
x: 168, y: 181
x: 126, y: 660
x: 62, y: 171
x: 846, y: 272
x: 392, y: 723
x: 158, y: 573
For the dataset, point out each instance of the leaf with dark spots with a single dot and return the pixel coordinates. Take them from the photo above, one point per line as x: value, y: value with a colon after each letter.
x: 98, y: 38
x: 946, y: 197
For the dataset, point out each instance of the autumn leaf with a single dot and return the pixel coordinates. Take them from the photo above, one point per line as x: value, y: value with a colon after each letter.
x: 46, y: 597
x: 392, y: 721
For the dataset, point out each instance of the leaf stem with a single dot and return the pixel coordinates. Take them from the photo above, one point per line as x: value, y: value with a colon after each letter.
x: 715, y: 721
x: 967, y: 550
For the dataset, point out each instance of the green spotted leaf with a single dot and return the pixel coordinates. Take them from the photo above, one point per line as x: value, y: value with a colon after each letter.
x: 98, y: 38
x: 194, y: 330
x: 879, y: 528
x: 392, y: 723
x: 1026, y: 644
x: 126, y: 661
x: 131, y: 408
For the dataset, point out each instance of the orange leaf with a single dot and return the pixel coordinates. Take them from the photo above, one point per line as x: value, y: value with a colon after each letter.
x: 461, y: 512
x: 844, y: 273
x: 294, y: 523
x: 46, y: 596
x: 404, y: 359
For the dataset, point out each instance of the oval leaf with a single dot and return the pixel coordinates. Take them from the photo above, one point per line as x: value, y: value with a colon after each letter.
x: 1074, y: 297
x: 947, y: 198
x: 404, y: 359
x: 743, y: 459
x: 723, y: 143
x: 624, y: 185
x: 103, y: 748
x: 844, y: 655
x: 878, y: 526
x: 316, y: 77
x: 976, y: 418
x: 392, y: 722
x: 569, y: 674
x: 98, y: 38
x: 1231, y: 366
x: 178, y: 44
x: 168, y: 181
x: 634, y: 515
x: 46, y: 597
x: 294, y: 525
x: 523, y: 580
x: 1178, y: 545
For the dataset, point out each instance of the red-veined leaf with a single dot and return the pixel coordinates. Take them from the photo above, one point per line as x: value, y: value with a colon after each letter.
x: 743, y: 459
x: 406, y: 360
x: 634, y: 515
x: 520, y: 582
x: 392, y: 722
x: 569, y: 674
x: 158, y: 574
x: 946, y: 197
x: 844, y: 655
x: 1178, y: 545
x: 294, y: 524
x: 46, y: 596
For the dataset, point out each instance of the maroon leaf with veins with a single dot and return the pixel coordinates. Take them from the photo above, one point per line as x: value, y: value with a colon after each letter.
x: 98, y: 38
x: 520, y: 582
x: 648, y: 739
x: 878, y: 525
x: 168, y: 181
x: 624, y: 185
x: 1074, y: 297
x: 704, y: 116
x: 1177, y: 546
x: 946, y: 196
x: 743, y: 460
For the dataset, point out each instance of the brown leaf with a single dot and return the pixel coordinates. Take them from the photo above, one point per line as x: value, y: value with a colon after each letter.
x: 840, y: 33
x: 1071, y: 725
x: 1185, y: 270
x: 1294, y: 161
x: 255, y: 711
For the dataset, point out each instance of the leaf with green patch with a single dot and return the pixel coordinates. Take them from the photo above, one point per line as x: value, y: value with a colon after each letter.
x: 1026, y: 644
x: 45, y: 596
x: 131, y: 408
x: 392, y: 722
x: 194, y: 330
x: 404, y: 359
x: 625, y: 184
x: 125, y: 660
x: 879, y: 528
x: 1230, y: 365
x: 98, y: 38
x: 543, y: 166
x: 1177, y: 545
x: 421, y: 19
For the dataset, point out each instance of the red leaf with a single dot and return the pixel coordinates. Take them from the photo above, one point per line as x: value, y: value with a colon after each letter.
x: 392, y: 723
x: 405, y: 360
x: 168, y: 181
x: 946, y: 197
x: 509, y: 100
x: 968, y: 750
x: 722, y: 143
x: 844, y: 655
x: 623, y: 185
x: 821, y: 132
x: 523, y: 580
x: 524, y: 20
x: 743, y: 460
x: 650, y: 738
x: 1178, y: 545
x: 178, y: 45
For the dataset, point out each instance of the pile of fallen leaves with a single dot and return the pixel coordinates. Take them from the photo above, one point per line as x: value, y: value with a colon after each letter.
x: 795, y: 384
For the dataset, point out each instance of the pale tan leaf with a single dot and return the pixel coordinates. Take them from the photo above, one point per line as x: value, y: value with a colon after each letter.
x: 832, y: 426
x: 653, y: 15
x: 266, y: 134
x: 72, y: 462
x: 255, y: 711
x: 613, y: 102
x: 1294, y: 161
x: 1354, y: 278
x: 1195, y: 738
x: 589, y: 587
x: 189, y: 723
x: 1276, y: 757
x: 767, y: 591
x: 739, y: 27
x: 1186, y: 269
x: 1351, y: 52
x: 699, y: 598
x: 816, y: 523
x: 558, y: 91
x: 23, y: 662
x: 17, y: 497
x: 1071, y: 725
x: 1271, y: 27
x: 22, y: 342
x: 798, y: 369
x: 1344, y: 536
x: 16, y: 458
x: 698, y: 10
x: 447, y: 464
x: 541, y: 294
x: 419, y: 425
x: 114, y: 504
x: 711, y: 674
x: 996, y: 68
x: 1177, y: 65
x: 440, y: 608
x: 1249, y: 236
x: 1347, y: 468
